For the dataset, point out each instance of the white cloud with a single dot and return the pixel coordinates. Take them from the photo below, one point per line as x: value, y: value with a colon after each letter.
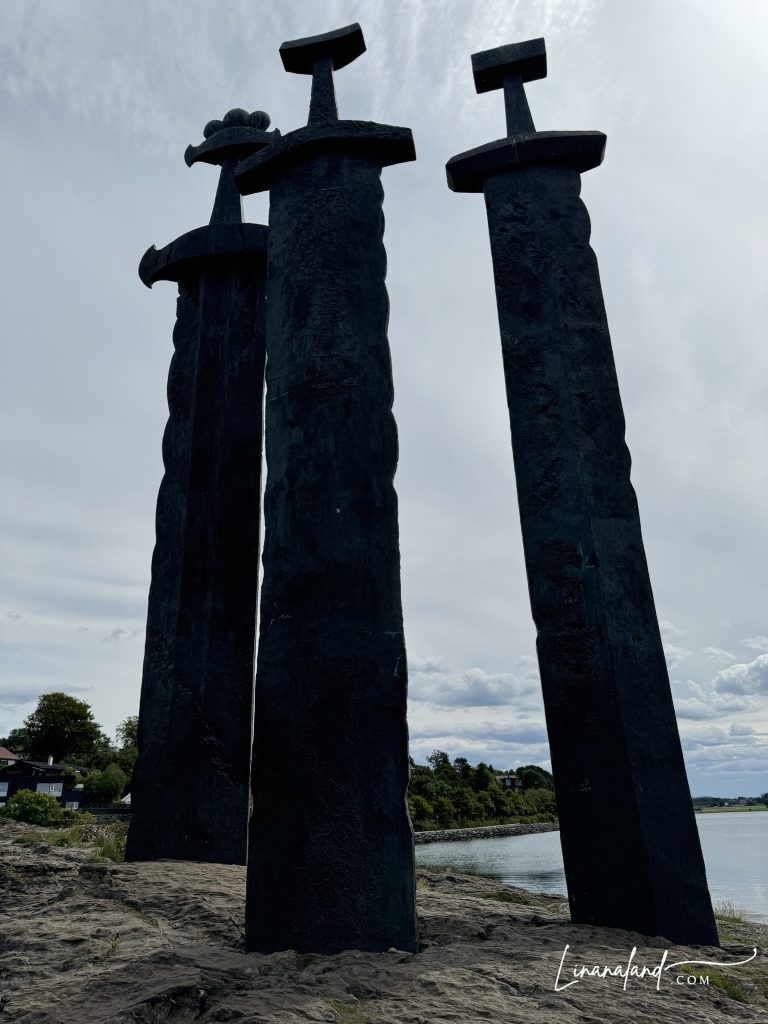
x: 746, y: 678
x: 703, y: 701
x: 718, y: 654
x: 675, y: 655
x: 757, y: 643
x: 712, y: 708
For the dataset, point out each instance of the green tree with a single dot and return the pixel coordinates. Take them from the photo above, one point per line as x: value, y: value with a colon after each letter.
x: 498, y: 798
x: 445, y: 812
x: 420, y: 810
x: 486, y: 805
x: 128, y: 732
x: 540, y: 801
x: 513, y: 805
x: 532, y: 776
x: 483, y: 778
x: 466, y: 803
x: 17, y: 741
x: 441, y: 765
x: 126, y: 759
x: 72, y: 778
x: 62, y: 727
x: 127, y: 754
x: 420, y: 783
x: 105, y: 786
x: 34, y: 808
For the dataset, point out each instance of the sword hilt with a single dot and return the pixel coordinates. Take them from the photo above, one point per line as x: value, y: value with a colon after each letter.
x: 237, y: 135
x: 320, y: 56
x: 508, y: 68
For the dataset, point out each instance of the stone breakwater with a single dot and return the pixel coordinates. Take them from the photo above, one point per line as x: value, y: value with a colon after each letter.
x: 486, y: 832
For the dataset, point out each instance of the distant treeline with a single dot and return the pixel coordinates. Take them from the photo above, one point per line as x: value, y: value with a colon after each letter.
x: 454, y: 794
x: 729, y: 801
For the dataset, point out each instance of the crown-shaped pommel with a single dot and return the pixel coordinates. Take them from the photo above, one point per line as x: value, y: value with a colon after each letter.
x: 235, y: 136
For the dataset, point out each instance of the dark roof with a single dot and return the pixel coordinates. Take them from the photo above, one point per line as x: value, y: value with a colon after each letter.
x: 41, y: 764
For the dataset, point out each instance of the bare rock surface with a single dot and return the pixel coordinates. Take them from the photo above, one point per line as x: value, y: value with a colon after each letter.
x: 87, y: 942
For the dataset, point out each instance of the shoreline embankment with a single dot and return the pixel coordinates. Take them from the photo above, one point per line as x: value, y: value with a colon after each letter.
x: 447, y: 835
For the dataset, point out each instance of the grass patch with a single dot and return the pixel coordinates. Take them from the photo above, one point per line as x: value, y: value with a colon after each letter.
x: 728, y: 911
x: 108, y: 851
x: 66, y: 837
x: 108, y: 840
x: 57, y: 837
x: 727, y: 985
x: 27, y: 840
x: 347, y: 1013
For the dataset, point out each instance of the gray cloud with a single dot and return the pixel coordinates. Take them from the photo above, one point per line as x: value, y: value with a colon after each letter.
x: 12, y: 697
x: 118, y: 633
x: 474, y: 687
x: 497, y: 734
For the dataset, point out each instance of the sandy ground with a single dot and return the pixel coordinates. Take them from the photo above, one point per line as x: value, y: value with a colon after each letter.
x: 84, y: 942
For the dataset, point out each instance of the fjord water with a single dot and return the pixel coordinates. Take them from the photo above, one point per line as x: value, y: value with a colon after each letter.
x: 735, y: 847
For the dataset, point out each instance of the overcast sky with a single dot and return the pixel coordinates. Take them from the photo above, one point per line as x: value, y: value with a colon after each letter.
x: 99, y: 101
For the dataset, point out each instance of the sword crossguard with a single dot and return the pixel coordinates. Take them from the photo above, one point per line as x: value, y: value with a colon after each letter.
x: 508, y: 68
x: 236, y: 136
x: 320, y: 56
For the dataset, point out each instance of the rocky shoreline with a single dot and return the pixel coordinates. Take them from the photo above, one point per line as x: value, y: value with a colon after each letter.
x: 447, y: 835
x: 87, y: 941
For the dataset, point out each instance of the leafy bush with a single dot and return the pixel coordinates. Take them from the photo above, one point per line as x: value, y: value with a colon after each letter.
x: 34, y: 808
x: 71, y: 777
x: 72, y: 817
x: 106, y: 786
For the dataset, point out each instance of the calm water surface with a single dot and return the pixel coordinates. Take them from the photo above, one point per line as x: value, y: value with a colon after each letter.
x: 735, y: 847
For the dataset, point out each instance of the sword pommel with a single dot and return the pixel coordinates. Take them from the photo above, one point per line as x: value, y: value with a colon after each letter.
x: 508, y: 68
x: 341, y: 46
x: 320, y: 56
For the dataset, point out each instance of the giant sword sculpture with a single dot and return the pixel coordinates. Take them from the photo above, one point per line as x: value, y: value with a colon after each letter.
x: 330, y: 863
x: 630, y: 843
x: 190, y: 785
